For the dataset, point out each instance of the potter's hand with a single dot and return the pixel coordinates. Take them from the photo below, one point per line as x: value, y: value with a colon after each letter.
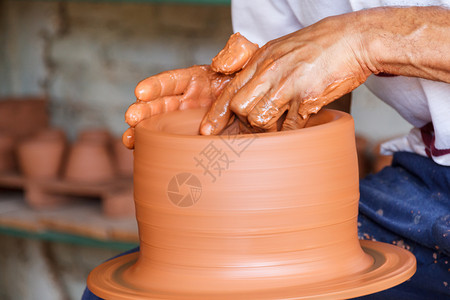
x: 197, y: 86
x: 303, y: 71
x: 300, y: 72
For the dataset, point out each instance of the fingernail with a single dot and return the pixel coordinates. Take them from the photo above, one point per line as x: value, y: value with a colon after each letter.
x: 206, y: 129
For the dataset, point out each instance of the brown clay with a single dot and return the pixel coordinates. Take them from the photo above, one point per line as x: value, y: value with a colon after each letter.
x: 7, y: 159
x: 90, y: 160
x: 256, y: 216
x: 41, y: 156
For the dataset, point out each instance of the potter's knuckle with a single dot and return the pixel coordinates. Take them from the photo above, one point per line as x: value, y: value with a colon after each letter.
x: 257, y: 120
x: 237, y: 108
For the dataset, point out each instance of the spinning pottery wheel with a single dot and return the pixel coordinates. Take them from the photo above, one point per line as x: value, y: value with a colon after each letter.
x: 256, y: 216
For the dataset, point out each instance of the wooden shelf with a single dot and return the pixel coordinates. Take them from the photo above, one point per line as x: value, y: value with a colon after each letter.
x: 80, y: 222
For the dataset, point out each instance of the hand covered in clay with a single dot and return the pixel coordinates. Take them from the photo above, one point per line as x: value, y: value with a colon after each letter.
x: 300, y: 72
x: 197, y: 86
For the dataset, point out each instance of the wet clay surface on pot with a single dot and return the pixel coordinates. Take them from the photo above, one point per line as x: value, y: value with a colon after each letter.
x: 255, y: 216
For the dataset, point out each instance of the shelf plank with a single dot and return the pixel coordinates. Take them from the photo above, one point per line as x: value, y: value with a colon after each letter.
x: 80, y: 222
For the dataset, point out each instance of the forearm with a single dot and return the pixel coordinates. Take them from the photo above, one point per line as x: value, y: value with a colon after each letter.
x: 412, y: 41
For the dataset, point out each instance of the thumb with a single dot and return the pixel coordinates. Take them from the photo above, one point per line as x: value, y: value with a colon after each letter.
x: 237, y: 52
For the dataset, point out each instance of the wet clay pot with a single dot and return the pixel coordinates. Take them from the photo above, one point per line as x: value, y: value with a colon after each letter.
x: 41, y: 157
x: 256, y: 216
x: 89, y: 161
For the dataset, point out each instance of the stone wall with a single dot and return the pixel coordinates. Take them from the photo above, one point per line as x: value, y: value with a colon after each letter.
x: 88, y: 57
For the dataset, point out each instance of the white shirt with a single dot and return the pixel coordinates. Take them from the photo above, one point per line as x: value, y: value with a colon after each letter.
x: 420, y: 101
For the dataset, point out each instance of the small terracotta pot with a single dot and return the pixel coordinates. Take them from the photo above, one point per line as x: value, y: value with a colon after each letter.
x: 89, y: 161
x: 41, y: 156
x: 7, y: 158
x: 123, y: 158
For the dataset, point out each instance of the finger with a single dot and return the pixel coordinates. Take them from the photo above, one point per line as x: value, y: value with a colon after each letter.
x: 235, y: 55
x: 293, y: 119
x: 198, y: 94
x: 140, y: 110
x: 137, y: 112
x: 167, y: 83
x: 270, y: 108
x: 278, y: 120
x: 249, y: 96
x: 219, y: 83
x: 245, y: 128
x: 219, y: 113
x: 128, y: 138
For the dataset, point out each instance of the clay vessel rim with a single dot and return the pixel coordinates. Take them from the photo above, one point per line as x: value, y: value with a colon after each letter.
x: 337, y: 117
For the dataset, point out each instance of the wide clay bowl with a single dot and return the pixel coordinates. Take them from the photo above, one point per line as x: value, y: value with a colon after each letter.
x: 256, y: 216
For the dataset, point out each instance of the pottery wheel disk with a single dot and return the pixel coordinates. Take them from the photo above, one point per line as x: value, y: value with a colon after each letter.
x: 392, y: 266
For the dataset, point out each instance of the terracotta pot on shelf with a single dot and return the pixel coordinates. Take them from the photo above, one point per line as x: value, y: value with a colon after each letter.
x: 89, y: 161
x: 7, y: 157
x: 257, y: 216
x: 41, y: 156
